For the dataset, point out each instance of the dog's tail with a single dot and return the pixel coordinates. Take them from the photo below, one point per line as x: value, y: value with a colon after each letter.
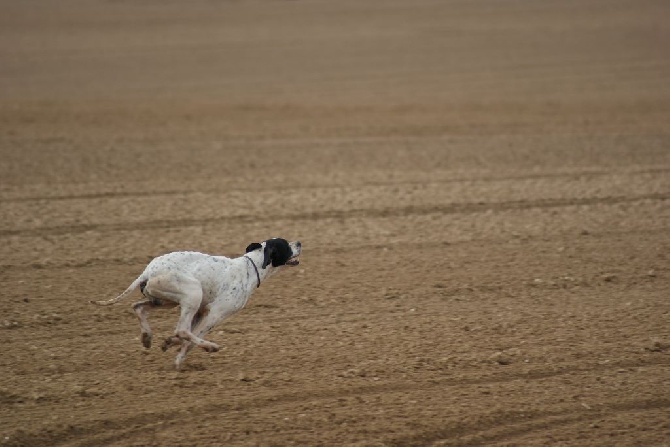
x: 128, y: 291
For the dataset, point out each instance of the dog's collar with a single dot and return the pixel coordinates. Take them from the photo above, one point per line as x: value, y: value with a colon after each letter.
x: 255, y: 269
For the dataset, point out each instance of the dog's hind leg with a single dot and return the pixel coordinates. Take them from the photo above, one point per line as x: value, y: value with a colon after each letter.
x: 140, y: 309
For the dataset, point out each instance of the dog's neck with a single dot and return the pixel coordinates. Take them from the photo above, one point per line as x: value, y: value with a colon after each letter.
x: 253, y: 264
x: 254, y: 261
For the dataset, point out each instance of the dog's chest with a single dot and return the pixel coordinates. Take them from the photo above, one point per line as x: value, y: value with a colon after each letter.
x: 224, y: 282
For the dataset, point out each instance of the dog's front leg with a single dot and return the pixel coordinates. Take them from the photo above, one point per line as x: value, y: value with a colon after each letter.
x: 185, y: 348
x: 202, y: 328
x: 174, y: 340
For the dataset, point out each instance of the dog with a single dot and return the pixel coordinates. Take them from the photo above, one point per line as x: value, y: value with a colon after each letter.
x: 208, y: 289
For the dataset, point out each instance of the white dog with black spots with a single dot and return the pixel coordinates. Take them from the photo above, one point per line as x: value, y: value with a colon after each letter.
x: 207, y: 288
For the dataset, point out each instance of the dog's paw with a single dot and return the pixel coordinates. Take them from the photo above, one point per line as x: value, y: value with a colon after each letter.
x: 211, y: 347
x: 167, y: 344
x: 146, y: 340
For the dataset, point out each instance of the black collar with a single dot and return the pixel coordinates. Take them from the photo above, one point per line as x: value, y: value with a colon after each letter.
x: 256, y: 270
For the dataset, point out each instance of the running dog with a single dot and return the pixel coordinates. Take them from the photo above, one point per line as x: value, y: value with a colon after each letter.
x: 208, y: 289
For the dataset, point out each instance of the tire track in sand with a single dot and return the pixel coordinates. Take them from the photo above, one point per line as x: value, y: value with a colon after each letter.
x: 452, y: 208
x: 506, y: 426
x: 501, y: 425
x: 308, y: 186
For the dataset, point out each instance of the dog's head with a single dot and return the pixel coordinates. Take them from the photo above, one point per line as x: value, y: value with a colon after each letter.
x: 277, y: 252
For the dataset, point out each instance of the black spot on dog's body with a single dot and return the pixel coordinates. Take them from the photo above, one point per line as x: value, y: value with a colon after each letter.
x: 143, y: 284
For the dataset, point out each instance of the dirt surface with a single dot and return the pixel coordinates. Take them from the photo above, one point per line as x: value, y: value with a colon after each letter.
x: 481, y: 189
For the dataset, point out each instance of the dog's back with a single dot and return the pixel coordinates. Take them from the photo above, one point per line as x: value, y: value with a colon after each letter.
x: 206, y: 269
x: 199, y: 265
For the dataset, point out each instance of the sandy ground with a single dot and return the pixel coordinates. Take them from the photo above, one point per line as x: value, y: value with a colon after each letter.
x: 481, y: 188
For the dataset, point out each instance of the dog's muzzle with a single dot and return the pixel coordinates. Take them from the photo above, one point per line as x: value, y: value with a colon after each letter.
x: 296, y: 248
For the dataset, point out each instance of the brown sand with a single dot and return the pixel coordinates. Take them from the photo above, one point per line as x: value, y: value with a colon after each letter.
x: 481, y: 188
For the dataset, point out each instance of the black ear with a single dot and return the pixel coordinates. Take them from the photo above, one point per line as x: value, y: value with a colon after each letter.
x: 253, y: 246
x: 268, y: 253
